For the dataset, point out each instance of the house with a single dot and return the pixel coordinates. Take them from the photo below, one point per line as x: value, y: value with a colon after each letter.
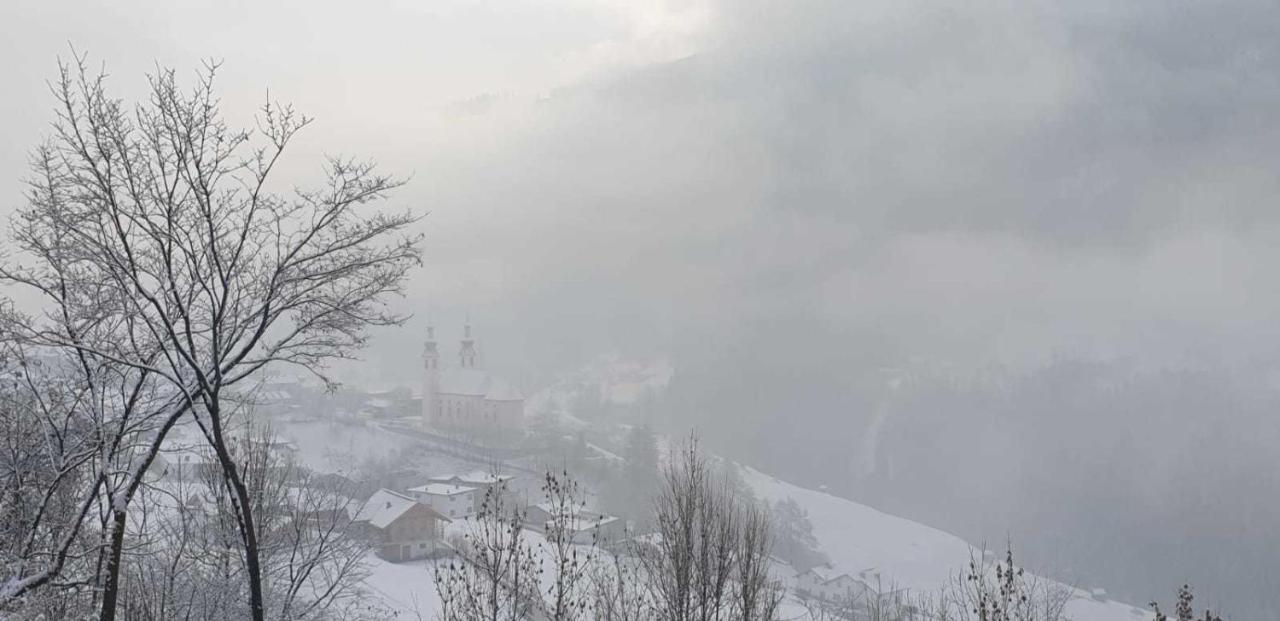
x: 321, y: 507
x: 826, y: 583
x: 448, y: 499
x: 479, y: 481
x: 184, y: 463
x: 536, y: 516
x: 402, y: 528
x: 594, y: 528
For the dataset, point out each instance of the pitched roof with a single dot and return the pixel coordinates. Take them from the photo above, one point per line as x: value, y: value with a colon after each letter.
x: 442, y: 489
x: 386, y: 506
x: 473, y: 478
x: 477, y: 383
x: 825, y: 573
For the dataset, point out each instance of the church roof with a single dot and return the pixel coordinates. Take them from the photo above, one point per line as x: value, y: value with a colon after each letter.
x: 477, y: 383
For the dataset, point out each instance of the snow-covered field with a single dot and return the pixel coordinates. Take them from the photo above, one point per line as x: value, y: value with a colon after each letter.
x: 907, y: 554
x: 406, y: 590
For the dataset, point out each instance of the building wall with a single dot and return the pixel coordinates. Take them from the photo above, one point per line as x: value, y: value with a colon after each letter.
x: 456, y: 505
x: 413, y: 536
x: 474, y: 411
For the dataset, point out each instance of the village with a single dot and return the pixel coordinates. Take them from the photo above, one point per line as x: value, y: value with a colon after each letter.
x: 417, y: 475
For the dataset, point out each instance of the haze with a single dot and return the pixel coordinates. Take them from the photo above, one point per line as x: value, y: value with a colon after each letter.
x: 874, y: 239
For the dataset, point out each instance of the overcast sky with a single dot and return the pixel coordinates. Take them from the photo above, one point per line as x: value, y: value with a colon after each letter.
x: 970, y: 182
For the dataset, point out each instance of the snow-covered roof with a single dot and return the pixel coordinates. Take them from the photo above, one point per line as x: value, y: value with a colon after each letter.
x: 477, y: 383
x: 186, y: 455
x: 826, y: 573
x: 473, y: 478
x: 319, y: 500
x: 442, y: 489
x: 386, y: 506
x: 586, y: 525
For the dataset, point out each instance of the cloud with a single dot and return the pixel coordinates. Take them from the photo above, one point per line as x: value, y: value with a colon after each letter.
x: 624, y: 174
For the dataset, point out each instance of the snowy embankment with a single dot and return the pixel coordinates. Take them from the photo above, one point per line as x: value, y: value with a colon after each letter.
x: 904, y: 553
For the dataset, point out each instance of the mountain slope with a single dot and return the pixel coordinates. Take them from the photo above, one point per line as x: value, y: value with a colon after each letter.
x: 907, y: 554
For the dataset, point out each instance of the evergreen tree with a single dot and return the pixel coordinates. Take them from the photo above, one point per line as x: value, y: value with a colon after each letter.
x: 794, y: 541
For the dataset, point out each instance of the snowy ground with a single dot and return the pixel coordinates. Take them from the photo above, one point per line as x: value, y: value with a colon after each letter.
x: 331, y: 446
x: 407, y: 590
x: 907, y: 554
x: 854, y: 536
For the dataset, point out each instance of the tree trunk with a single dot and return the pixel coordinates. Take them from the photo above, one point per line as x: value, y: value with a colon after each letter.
x: 256, y: 605
x: 111, y: 587
x: 244, y: 509
x: 119, y: 517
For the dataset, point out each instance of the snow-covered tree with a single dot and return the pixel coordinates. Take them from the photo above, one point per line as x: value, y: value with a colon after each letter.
x: 793, y: 539
x: 154, y: 235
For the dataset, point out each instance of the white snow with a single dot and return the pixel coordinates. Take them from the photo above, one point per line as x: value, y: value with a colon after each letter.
x: 855, y: 537
x: 408, y: 590
x: 907, y: 554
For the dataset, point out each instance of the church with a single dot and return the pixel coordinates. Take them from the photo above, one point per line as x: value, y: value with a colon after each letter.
x: 466, y: 397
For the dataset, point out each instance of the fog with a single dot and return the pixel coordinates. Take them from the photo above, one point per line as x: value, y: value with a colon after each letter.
x: 1003, y: 268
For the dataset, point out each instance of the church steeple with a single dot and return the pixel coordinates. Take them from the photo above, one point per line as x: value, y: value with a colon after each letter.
x: 467, y: 354
x: 430, y: 354
x: 430, y: 378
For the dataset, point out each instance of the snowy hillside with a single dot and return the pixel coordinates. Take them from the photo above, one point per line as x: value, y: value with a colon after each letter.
x: 906, y: 554
x: 855, y: 537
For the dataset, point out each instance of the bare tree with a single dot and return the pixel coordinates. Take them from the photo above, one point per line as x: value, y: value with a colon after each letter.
x: 46, y: 489
x: 183, y: 560
x: 619, y: 590
x: 757, y: 594
x: 844, y: 607
x: 1002, y: 591
x: 566, y: 597
x: 710, y: 556
x: 154, y: 235
x: 75, y: 427
x: 499, y: 569
x: 495, y: 577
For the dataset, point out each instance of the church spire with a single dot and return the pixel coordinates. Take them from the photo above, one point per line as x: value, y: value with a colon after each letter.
x: 431, y: 355
x: 467, y: 353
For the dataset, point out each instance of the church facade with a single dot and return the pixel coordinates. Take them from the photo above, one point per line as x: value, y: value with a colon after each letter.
x: 466, y: 396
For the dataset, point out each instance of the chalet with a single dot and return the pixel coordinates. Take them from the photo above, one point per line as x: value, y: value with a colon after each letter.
x: 402, y: 528
x: 536, y: 516
x: 478, y: 481
x: 448, y: 499
x: 184, y: 463
x: 824, y: 582
x: 594, y: 528
x: 476, y: 478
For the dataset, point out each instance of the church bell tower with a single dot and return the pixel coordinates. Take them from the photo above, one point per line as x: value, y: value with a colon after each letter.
x: 430, y: 379
x: 467, y: 354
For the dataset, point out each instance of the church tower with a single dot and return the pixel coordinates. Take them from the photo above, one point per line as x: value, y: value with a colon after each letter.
x: 467, y: 354
x: 430, y: 378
